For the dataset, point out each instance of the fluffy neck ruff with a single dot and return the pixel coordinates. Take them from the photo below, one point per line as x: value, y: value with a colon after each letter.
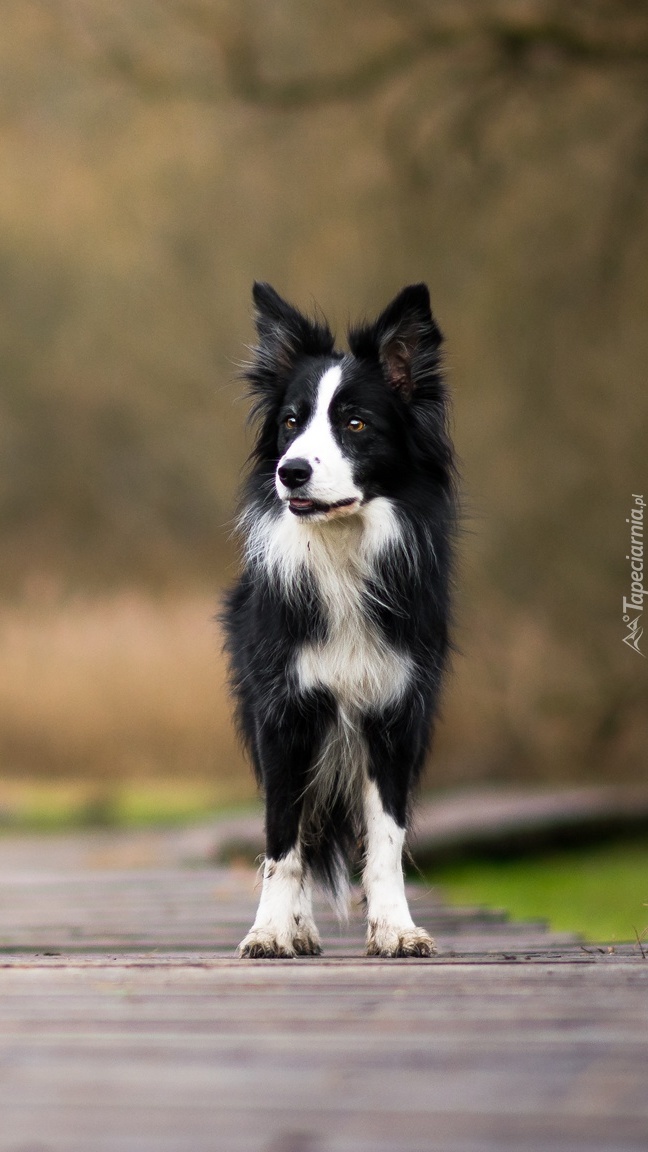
x: 339, y: 554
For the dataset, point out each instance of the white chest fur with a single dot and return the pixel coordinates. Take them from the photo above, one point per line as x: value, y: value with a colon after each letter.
x: 354, y: 661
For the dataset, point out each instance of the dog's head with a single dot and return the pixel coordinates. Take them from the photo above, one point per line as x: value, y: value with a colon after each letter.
x: 340, y: 429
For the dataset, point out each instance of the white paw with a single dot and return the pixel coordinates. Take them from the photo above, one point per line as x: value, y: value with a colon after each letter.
x: 384, y: 939
x: 270, y: 944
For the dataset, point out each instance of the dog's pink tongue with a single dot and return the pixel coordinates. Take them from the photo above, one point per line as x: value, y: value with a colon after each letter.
x: 300, y: 502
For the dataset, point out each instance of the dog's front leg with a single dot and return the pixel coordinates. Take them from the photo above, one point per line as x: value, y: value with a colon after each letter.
x: 395, y: 756
x: 390, y: 928
x: 284, y: 924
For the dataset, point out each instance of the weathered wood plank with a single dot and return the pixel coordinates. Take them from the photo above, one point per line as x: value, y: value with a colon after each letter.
x: 513, y: 819
x: 127, y: 1025
x: 207, y: 909
x: 408, y: 1056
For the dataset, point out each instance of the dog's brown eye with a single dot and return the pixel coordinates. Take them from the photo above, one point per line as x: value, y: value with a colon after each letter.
x: 290, y: 422
x: 355, y: 425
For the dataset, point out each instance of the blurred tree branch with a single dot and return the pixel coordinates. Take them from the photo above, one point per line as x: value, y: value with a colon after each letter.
x: 508, y: 32
x: 589, y: 31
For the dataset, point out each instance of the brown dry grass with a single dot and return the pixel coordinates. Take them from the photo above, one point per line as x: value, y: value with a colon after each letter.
x: 116, y: 690
x: 121, y: 687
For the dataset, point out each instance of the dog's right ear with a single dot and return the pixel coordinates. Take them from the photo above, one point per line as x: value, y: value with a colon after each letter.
x: 285, y: 334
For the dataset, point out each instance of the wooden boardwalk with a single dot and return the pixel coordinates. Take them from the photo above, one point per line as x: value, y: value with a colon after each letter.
x: 127, y: 1025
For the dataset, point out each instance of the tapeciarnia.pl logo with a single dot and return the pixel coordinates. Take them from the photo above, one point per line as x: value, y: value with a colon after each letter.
x: 633, y: 604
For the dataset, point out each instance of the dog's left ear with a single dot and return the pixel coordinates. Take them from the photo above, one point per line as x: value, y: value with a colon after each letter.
x: 403, y: 334
x: 285, y: 334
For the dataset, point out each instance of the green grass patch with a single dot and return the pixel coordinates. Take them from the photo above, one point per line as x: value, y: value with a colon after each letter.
x: 601, y: 893
x: 59, y: 806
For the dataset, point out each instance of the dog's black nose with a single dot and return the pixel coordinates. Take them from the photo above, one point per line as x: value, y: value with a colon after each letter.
x: 295, y: 473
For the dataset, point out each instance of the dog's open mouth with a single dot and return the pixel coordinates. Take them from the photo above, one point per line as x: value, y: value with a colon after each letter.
x: 301, y: 506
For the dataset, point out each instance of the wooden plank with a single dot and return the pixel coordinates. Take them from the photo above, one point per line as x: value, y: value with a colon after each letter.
x: 406, y: 1055
x: 203, y: 908
x: 488, y: 819
x: 127, y: 1025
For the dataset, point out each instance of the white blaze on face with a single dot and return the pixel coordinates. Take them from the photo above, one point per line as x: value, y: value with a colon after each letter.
x: 332, y: 478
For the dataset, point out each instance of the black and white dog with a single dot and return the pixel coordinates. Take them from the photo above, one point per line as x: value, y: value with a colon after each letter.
x: 337, y: 630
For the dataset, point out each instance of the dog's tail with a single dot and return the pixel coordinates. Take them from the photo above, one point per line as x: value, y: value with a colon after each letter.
x: 330, y: 846
x: 332, y: 822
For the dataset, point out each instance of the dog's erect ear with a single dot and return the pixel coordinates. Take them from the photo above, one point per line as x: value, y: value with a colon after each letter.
x: 284, y: 333
x: 402, y: 338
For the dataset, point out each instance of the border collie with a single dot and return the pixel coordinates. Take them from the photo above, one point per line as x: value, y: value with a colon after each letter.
x: 337, y: 630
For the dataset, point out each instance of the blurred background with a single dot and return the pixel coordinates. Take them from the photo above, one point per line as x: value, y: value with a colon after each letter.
x: 156, y: 157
